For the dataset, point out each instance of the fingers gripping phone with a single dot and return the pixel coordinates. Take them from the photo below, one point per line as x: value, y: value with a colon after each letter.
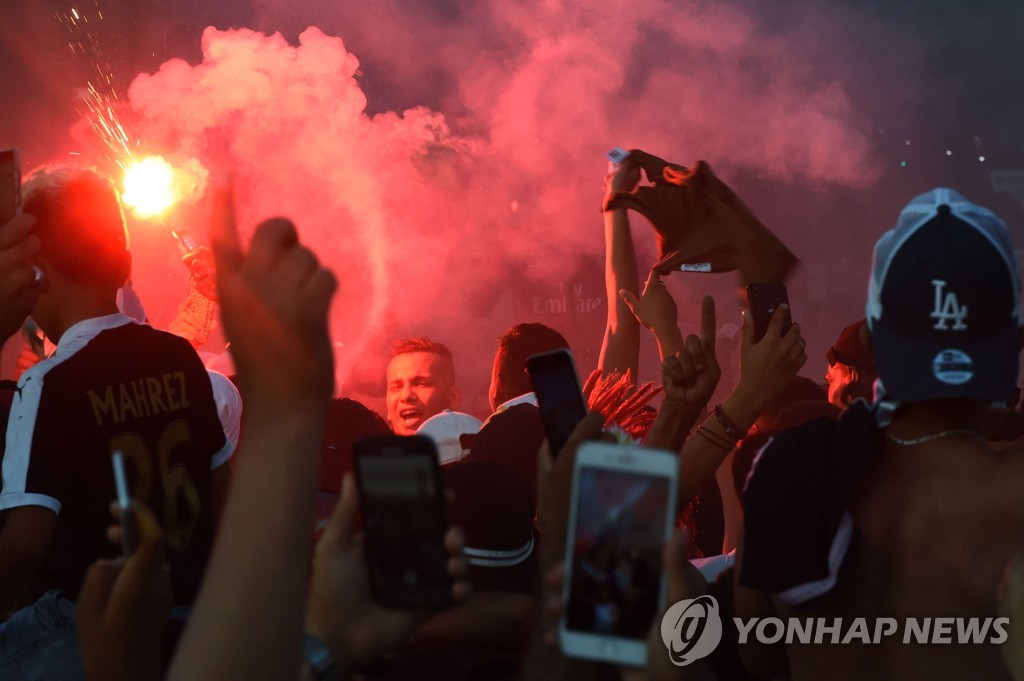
x: 621, y: 515
x: 558, y: 395
x: 404, y: 520
x: 10, y: 185
x: 764, y: 299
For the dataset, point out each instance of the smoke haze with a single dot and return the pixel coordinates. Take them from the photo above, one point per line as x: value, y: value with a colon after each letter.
x: 445, y: 158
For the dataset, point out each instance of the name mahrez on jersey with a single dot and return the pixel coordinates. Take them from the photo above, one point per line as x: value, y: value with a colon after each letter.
x: 139, y: 398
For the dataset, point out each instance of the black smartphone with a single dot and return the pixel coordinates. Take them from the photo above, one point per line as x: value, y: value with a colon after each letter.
x: 404, y: 520
x: 129, y: 528
x: 763, y: 300
x: 10, y: 185
x: 559, y: 397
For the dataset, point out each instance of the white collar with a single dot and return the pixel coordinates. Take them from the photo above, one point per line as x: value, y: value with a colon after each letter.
x: 528, y: 398
x: 84, y: 331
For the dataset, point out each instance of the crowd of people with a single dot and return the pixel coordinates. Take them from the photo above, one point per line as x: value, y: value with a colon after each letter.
x: 891, y: 490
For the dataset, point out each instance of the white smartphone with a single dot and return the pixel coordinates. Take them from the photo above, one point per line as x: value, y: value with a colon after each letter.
x: 129, y: 530
x: 621, y: 514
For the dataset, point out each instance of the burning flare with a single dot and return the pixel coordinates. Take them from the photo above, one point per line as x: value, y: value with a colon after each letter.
x: 149, y: 187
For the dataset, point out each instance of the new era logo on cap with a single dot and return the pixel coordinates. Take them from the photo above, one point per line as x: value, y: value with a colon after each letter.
x: 943, y: 302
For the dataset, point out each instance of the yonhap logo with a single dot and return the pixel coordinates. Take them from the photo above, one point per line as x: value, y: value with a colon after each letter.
x: 691, y: 629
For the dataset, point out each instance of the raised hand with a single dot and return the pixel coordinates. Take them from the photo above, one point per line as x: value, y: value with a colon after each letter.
x: 655, y: 307
x: 200, y: 264
x: 274, y: 303
x: 341, y: 611
x: 767, y: 366
x: 692, y: 374
x: 624, y: 179
x: 690, y: 377
x: 122, y: 608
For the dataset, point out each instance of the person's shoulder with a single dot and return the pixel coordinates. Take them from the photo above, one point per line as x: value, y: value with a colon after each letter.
x: 855, y: 419
x: 145, y: 332
x: 162, y: 343
x: 808, y: 447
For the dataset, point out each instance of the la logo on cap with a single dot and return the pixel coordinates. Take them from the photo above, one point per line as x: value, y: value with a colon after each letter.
x: 948, y: 309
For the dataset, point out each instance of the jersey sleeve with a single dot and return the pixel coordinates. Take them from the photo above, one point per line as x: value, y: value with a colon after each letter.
x: 207, y: 418
x: 229, y: 412
x: 35, y: 464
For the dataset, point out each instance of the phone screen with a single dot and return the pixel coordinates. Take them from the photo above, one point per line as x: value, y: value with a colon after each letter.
x: 10, y: 185
x: 404, y: 521
x: 618, y: 535
x: 558, y: 395
x: 764, y: 299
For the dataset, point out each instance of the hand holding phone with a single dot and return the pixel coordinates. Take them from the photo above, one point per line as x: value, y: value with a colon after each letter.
x: 764, y: 299
x: 122, y: 608
x: 621, y: 515
x: 559, y: 397
x: 404, y: 521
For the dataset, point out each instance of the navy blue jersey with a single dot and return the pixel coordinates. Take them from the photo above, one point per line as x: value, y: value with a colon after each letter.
x: 116, y: 385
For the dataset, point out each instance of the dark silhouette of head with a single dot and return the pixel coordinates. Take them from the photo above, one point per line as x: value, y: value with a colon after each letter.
x: 509, y: 378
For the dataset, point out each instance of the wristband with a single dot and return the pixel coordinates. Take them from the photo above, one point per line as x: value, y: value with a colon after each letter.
x: 730, y: 428
x: 714, y: 438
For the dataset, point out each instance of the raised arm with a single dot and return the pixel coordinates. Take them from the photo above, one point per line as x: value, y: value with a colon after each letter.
x: 247, y: 622
x: 766, y: 368
x: 657, y: 311
x: 620, y: 349
x: 689, y: 376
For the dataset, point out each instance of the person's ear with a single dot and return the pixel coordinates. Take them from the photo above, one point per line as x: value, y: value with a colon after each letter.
x: 454, y: 397
x: 40, y: 269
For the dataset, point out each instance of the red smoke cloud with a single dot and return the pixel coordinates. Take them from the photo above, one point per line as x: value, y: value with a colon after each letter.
x: 430, y: 216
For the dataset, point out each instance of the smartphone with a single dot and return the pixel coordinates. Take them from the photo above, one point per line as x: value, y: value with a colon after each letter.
x: 10, y: 185
x: 129, y: 528
x: 617, y: 155
x: 404, y: 520
x: 621, y: 514
x: 763, y: 299
x: 559, y: 397
x: 186, y: 241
